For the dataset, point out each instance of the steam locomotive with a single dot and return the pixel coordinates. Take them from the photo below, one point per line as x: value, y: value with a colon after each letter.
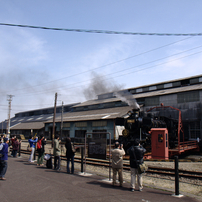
x: 138, y: 124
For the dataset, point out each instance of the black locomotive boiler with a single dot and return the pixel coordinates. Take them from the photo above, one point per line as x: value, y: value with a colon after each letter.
x: 138, y: 124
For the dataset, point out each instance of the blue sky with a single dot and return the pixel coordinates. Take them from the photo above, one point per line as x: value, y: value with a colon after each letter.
x: 35, y: 63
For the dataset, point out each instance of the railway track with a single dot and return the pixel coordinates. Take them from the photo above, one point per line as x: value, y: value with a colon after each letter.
x: 126, y: 166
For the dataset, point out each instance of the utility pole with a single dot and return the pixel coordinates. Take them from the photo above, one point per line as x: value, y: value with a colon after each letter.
x: 9, y: 113
x: 61, y: 121
x: 53, y: 133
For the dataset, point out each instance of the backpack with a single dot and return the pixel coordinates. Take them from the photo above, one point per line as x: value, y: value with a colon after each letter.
x: 39, y: 144
x: 73, y: 148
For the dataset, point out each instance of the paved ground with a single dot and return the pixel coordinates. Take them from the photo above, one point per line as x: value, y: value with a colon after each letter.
x: 26, y: 182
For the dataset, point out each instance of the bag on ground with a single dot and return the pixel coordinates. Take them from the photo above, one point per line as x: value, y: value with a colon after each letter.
x: 48, y: 159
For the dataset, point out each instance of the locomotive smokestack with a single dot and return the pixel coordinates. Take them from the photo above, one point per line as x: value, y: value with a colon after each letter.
x: 127, y: 97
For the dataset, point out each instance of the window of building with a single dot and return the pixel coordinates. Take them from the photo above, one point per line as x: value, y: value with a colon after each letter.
x: 81, y: 124
x: 194, y: 130
x: 176, y: 84
x: 65, y: 134
x: 141, y: 101
x: 168, y: 85
x: 99, y: 135
x: 194, y: 81
x: 191, y: 96
x: 66, y: 125
x: 99, y: 123
x: 80, y: 133
x: 159, y: 87
x: 185, y: 82
x: 145, y: 89
x: 139, y: 90
x: 118, y: 104
x: 152, y: 101
x: 80, y: 136
x: 152, y: 88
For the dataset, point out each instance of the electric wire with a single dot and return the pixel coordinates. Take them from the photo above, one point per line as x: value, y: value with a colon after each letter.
x: 52, y: 90
x: 80, y: 73
x: 101, y: 31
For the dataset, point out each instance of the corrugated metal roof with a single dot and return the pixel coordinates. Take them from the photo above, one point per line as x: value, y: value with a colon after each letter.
x: 28, y: 126
x: 146, y: 94
x: 94, y: 102
x: 100, y: 114
x: 169, y: 91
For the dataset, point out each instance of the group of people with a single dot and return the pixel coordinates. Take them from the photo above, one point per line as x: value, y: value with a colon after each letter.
x: 39, y: 145
x: 70, y: 152
x: 136, y: 152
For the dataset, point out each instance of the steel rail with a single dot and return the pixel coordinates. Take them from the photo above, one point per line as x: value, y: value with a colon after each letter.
x: 126, y: 166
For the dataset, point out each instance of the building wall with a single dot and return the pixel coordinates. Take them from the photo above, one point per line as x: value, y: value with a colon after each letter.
x: 191, y: 112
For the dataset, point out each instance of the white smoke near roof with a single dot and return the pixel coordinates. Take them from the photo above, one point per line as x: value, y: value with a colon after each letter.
x: 127, y: 97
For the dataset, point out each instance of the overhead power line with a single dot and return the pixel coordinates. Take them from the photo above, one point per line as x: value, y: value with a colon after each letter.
x: 102, y: 31
x: 104, y: 76
x: 112, y: 63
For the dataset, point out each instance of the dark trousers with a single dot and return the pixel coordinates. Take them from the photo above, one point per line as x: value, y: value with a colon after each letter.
x: 15, y: 153
x: 57, y: 160
x: 71, y: 158
x: 3, y: 167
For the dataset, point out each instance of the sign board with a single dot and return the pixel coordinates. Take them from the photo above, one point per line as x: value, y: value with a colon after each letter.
x: 97, y: 148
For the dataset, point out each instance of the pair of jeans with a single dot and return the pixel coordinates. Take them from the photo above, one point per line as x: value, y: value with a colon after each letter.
x: 57, y: 160
x: 32, y: 154
x: 3, y: 168
x: 134, y: 173
x: 71, y: 158
x: 120, y: 174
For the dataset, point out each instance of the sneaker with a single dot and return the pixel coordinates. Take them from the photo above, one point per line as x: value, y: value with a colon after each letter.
x: 140, y: 189
x: 132, y: 189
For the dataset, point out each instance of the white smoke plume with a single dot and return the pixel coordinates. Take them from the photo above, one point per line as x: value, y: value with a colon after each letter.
x: 127, y: 97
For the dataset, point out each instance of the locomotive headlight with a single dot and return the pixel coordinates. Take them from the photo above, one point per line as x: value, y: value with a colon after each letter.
x: 125, y: 133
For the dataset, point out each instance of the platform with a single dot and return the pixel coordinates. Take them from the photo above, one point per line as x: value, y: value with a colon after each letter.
x: 25, y: 182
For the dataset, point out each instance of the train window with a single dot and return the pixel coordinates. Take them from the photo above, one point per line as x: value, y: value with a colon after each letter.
x: 160, y: 138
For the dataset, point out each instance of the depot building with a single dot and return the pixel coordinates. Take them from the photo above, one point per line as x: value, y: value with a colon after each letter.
x: 99, y: 115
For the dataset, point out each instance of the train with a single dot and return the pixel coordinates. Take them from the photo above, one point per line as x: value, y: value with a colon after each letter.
x: 138, y: 125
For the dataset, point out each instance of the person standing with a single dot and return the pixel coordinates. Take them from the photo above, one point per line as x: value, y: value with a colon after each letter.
x: 117, y: 163
x: 41, y: 150
x: 56, y: 153
x: 15, y: 145
x: 136, y: 152
x: 12, y: 141
x: 4, y: 158
x: 70, y: 152
x: 32, y: 142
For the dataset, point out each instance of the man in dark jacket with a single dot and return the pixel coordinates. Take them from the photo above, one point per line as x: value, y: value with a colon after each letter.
x: 3, y: 158
x: 70, y: 152
x: 136, y: 153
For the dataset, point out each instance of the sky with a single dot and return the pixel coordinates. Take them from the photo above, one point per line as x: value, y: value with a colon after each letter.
x: 36, y: 63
